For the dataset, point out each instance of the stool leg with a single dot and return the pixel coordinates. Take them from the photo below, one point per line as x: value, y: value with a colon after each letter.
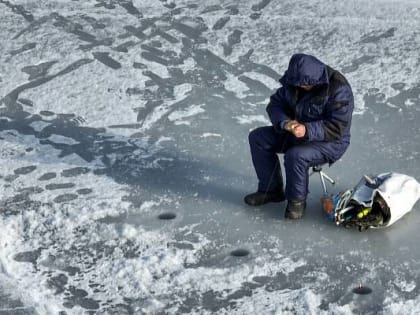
x: 322, y: 177
x: 327, y: 177
x: 324, y: 187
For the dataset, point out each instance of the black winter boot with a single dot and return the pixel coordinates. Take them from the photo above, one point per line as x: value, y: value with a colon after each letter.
x: 295, y: 209
x: 262, y: 197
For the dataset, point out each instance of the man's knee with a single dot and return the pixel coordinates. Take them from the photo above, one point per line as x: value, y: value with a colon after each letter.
x: 301, y: 156
x: 263, y: 138
x: 258, y: 137
x: 295, y: 156
x: 254, y: 136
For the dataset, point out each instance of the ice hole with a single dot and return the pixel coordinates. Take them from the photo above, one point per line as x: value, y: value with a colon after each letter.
x: 167, y: 216
x: 362, y: 290
x: 241, y: 252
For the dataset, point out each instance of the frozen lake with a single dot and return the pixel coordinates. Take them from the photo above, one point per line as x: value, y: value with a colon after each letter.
x: 113, y: 113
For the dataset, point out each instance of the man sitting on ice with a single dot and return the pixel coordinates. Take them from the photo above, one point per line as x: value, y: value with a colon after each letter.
x: 311, y: 118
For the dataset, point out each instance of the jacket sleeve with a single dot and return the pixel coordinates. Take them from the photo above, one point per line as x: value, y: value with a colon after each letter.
x: 278, y: 109
x: 337, y: 117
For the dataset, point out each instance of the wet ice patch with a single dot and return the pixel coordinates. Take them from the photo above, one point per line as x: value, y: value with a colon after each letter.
x: 59, y: 186
x: 39, y: 125
x: 268, y: 81
x: 75, y: 171
x: 62, y: 139
x: 84, y: 191
x: 65, y: 198
x: 250, y: 119
x: 179, y: 115
x: 47, y: 176
x: 25, y: 170
x: 180, y: 92
x: 210, y: 134
x: 236, y: 86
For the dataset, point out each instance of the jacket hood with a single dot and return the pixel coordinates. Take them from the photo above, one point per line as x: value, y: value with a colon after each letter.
x: 305, y: 70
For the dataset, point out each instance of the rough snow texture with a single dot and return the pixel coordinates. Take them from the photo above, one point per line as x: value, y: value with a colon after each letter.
x: 114, y: 112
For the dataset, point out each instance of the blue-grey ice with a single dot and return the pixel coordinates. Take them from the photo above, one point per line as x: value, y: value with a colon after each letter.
x: 113, y: 113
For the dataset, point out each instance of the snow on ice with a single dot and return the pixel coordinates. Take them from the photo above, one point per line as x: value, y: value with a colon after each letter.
x: 115, y: 112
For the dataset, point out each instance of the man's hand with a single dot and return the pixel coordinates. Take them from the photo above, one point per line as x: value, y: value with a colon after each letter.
x: 299, y: 130
x: 296, y: 128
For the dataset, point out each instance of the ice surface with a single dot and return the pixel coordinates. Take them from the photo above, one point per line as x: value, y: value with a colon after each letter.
x: 115, y: 112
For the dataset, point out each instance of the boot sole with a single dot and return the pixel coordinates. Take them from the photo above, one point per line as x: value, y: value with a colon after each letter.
x: 290, y: 216
x: 263, y: 203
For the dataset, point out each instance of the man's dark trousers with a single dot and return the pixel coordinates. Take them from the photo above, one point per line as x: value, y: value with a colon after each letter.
x: 299, y: 156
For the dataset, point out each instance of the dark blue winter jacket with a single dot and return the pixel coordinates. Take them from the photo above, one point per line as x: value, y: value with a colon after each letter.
x: 326, y: 110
